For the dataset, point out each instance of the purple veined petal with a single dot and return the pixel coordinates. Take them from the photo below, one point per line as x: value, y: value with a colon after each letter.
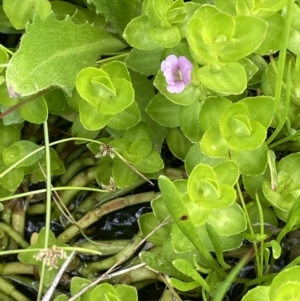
x: 169, y: 75
x: 177, y: 88
x: 170, y: 62
x: 184, y: 63
x: 186, y: 78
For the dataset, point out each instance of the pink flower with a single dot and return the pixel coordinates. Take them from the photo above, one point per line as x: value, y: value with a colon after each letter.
x: 177, y: 71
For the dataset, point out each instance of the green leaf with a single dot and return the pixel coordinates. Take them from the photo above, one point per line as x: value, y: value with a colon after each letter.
x: 9, y: 134
x: 152, y: 163
x: 165, y: 37
x: 190, y: 121
x: 105, y: 292
x: 125, y: 119
x: 126, y: 292
x: 213, y: 144
x: 251, y: 162
x: 18, y: 150
x: 90, y: 118
x: 145, y: 62
x: 196, y: 156
x: 35, y: 111
x: 137, y: 34
x: 163, y: 111
x: 229, y: 220
x: 204, y: 189
x: 259, y: 293
x: 148, y: 222
x: 57, y: 167
x: 227, y: 172
x: 271, y: 42
x: 186, y: 268
x: 108, y: 89
x: 13, y: 179
x: 244, y: 43
x: 61, y: 49
x: 113, y: 11
x: 178, y: 143
x: 123, y: 174
x: 211, y: 111
x: 19, y: 11
x: 261, y: 109
x: 285, y: 285
x: 159, y: 263
x: 230, y: 78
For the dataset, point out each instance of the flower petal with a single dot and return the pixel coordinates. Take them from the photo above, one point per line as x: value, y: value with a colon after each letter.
x: 170, y: 62
x: 177, y: 88
x: 184, y: 63
x: 169, y: 75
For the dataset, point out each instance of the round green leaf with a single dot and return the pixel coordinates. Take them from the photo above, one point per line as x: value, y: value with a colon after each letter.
x: 18, y: 150
x: 126, y: 118
x: 151, y: 163
x: 286, y: 285
x: 196, y: 156
x: 145, y: 62
x: 147, y: 223
x: 190, y: 122
x: 90, y: 118
x: 9, y: 134
x: 230, y: 78
x: 251, y: 162
x: 213, y: 144
x: 212, y: 110
x: 178, y: 143
x: 271, y: 42
x: 165, y: 37
x: 123, y: 99
x: 227, y: 172
x: 163, y: 111
x: 229, y: 220
x: 259, y: 293
x: 137, y: 34
x: 35, y: 111
x: 244, y: 43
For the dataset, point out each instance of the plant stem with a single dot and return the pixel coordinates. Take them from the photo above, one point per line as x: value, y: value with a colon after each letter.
x: 94, y: 215
x: 12, y: 233
x: 93, y: 268
x: 10, y: 290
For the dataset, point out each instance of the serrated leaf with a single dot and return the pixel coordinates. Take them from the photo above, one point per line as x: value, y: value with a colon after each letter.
x: 61, y: 49
x: 113, y: 10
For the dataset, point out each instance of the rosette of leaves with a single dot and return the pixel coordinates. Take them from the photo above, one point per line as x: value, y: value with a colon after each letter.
x: 193, y: 229
x: 158, y: 26
x: 283, y: 189
x: 106, y: 93
x: 238, y: 131
x: 218, y: 41
x: 104, y: 291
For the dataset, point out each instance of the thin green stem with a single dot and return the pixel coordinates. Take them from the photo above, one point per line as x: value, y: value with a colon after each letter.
x: 48, y: 205
x: 281, y: 60
x: 249, y: 225
x: 286, y: 108
x: 113, y: 58
x: 262, y: 232
x: 20, y: 104
x: 28, y: 193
